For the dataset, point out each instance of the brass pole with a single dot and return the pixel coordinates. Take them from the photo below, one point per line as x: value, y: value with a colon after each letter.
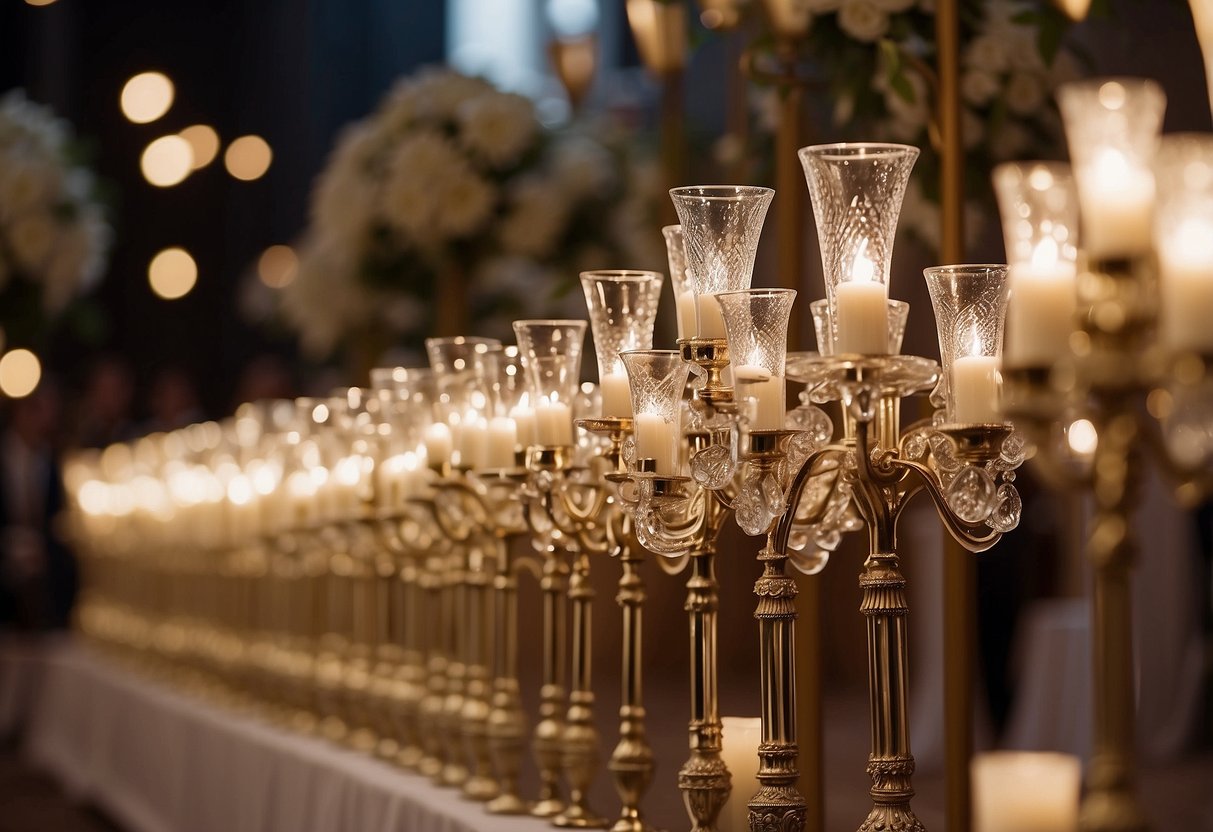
x: 809, y: 703
x: 673, y: 141
x: 507, y: 722
x: 789, y: 185
x: 474, y: 713
x: 549, y: 731
x: 960, y: 619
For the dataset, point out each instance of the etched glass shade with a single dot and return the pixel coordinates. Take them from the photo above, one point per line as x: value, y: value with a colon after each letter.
x: 680, y: 280
x: 1183, y: 235
x: 465, y: 369
x: 623, y: 309
x: 857, y: 190
x: 970, y: 303
x: 899, y: 314
x: 757, y: 323
x: 1039, y: 208
x: 721, y: 225
x: 1112, y: 127
x: 551, y: 357
x: 657, y: 380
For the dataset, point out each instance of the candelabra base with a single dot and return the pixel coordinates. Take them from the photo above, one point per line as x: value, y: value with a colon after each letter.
x: 508, y: 804
x: 892, y: 819
x: 780, y: 808
x: 579, y: 817
x: 547, y: 808
x: 479, y: 788
x: 705, y: 784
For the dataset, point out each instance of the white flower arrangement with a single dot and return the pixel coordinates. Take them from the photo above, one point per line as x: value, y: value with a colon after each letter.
x: 452, y: 175
x: 53, y: 234
x: 877, y: 58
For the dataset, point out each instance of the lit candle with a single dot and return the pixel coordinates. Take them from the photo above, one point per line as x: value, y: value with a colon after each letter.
x: 687, y: 327
x: 503, y: 437
x: 1186, y: 286
x: 861, y: 310
x: 474, y: 441
x: 1019, y: 791
x: 711, y: 318
x: 657, y: 439
x: 524, y: 423
x: 739, y: 750
x: 1117, y: 201
x: 616, y: 395
x: 975, y: 390
x: 553, y: 423
x: 768, y: 392
x: 1041, y: 309
x: 438, y: 444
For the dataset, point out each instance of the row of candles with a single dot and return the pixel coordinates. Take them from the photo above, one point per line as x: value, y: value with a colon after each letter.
x: 487, y: 409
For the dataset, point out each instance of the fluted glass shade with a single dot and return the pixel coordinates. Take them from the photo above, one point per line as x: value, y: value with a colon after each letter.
x: 1183, y: 235
x: 721, y: 225
x: 551, y: 356
x: 970, y: 303
x: 1112, y: 127
x: 857, y: 190
x: 757, y: 323
x: 680, y: 280
x: 657, y: 379
x: 465, y: 369
x: 1039, y: 208
x: 623, y: 309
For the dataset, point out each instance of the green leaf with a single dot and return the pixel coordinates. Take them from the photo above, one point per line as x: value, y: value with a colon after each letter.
x: 901, y: 85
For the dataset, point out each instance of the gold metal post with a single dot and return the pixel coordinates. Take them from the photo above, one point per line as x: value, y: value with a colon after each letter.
x: 549, y: 732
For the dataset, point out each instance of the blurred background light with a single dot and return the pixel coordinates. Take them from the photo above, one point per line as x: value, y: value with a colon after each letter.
x: 172, y: 273
x: 248, y: 158
x: 278, y: 266
x: 146, y: 97
x: 167, y: 161
x: 204, y: 141
x: 20, y: 372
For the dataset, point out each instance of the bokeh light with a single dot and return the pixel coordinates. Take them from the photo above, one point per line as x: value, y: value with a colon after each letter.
x: 278, y: 266
x: 248, y: 158
x: 172, y: 273
x: 20, y: 372
x: 146, y: 97
x: 167, y: 161
x: 204, y: 141
x: 39, y: 2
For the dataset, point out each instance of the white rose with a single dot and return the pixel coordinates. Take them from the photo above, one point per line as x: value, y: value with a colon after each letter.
x: 987, y: 53
x: 1025, y: 93
x: 464, y: 202
x: 434, y: 96
x: 423, y: 166
x: 862, y: 20
x: 497, y: 127
x: 977, y: 87
x: 537, y: 216
x: 30, y: 238
x: 582, y: 167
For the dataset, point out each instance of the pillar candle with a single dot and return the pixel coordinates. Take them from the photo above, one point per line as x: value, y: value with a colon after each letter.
x: 711, y: 318
x: 438, y: 445
x: 768, y: 392
x: 553, y: 423
x: 524, y: 425
x: 687, y: 327
x: 1021, y: 791
x: 1186, y: 287
x: 739, y: 750
x: 975, y: 389
x: 1117, y: 200
x: 473, y: 441
x: 861, y: 318
x: 616, y: 395
x: 503, y: 438
x: 1040, y: 314
x: 657, y: 439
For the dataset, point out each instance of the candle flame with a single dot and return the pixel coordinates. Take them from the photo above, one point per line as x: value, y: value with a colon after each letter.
x: 1046, y: 253
x: 863, y: 270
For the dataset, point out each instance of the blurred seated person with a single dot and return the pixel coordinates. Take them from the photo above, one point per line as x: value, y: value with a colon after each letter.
x: 104, y: 410
x: 37, y: 571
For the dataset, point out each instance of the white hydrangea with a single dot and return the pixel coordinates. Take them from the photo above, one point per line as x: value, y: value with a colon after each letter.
x: 863, y: 20
x: 1026, y: 93
x: 431, y: 189
x: 536, y: 216
x: 978, y: 88
x: 581, y: 167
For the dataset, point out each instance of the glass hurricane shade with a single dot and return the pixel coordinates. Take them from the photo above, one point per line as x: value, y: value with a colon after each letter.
x: 623, y: 308
x: 551, y: 357
x: 757, y: 324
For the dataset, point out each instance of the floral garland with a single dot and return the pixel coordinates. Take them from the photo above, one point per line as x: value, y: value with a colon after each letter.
x: 450, y: 174
x: 877, y: 57
x: 54, y: 237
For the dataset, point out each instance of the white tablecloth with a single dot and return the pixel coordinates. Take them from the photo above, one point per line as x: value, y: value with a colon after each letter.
x: 160, y: 761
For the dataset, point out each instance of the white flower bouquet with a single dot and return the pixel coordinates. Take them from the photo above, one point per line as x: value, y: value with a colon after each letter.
x: 53, y: 234
x: 452, y: 177
x: 877, y: 58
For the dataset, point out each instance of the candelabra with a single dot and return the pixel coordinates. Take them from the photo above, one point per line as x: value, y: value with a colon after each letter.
x: 1141, y: 345
x: 564, y: 506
